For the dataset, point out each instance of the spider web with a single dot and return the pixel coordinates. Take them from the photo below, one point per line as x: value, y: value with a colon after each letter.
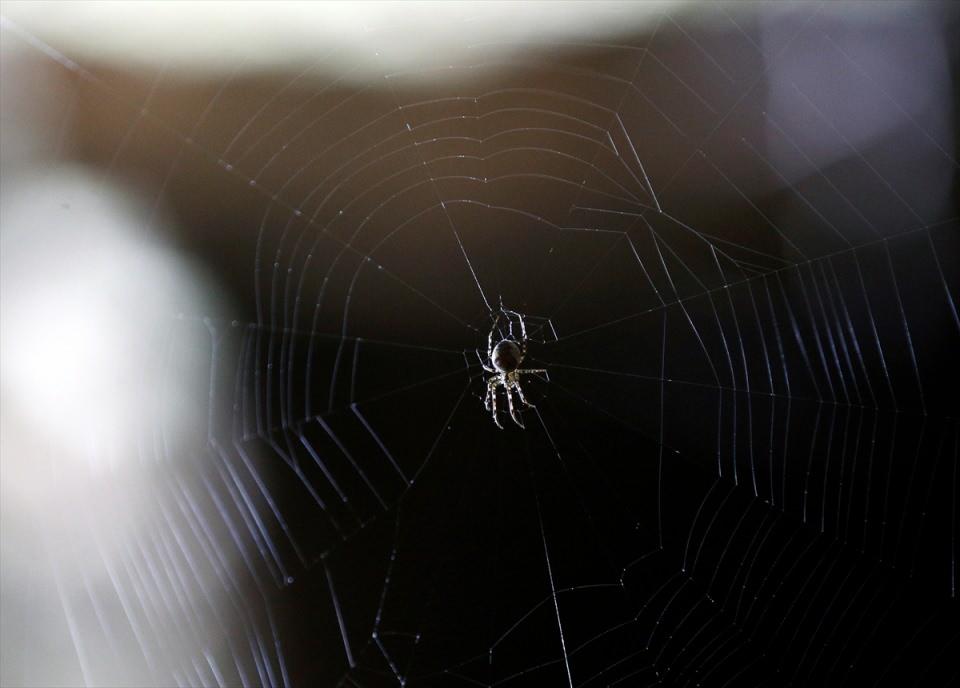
x: 743, y: 467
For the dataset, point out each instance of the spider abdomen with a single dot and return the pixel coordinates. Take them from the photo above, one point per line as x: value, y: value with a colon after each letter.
x: 507, y: 356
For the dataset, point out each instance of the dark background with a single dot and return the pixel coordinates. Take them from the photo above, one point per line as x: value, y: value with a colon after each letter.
x: 743, y: 468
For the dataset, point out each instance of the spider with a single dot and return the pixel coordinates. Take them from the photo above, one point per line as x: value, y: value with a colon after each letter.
x: 503, y: 360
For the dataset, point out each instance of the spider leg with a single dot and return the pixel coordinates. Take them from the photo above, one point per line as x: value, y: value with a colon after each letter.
x: 493, y: 329
x: 523, y: 335
x: 513, y: 411
x: 516, y: 386
x: 523, y: 329
x: 491, y: 401
x: 523, y: 326
x: 488, y: 368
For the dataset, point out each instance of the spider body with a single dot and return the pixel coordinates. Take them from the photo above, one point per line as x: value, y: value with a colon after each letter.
x: 503, y: 360
x: 506, y: 356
